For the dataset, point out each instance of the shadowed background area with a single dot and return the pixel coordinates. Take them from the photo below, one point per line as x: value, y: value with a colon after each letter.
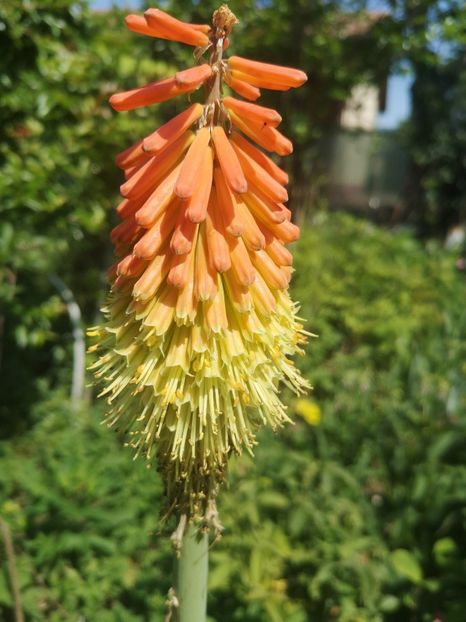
x: 355, y: 513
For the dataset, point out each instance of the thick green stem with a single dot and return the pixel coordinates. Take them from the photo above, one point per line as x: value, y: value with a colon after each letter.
x: 191, y: 576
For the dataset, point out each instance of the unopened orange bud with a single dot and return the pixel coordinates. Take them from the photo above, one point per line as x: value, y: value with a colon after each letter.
x: 260, y: 178
x: 265, y: 210
x: 273, y: 73
x: 179, y: 270
x: 196, y: 209
x: 194, y: 76
x: 205, y: 286
x: 131, y: 266
x: 285, y: 231
x: 151, y: 242
x: 172, y: 130
x: 146, y: 95
x: 261, y: 134
x: 269, y: 271
x: 125, y: 231
x: 205, y: 28
x: 261, y: 158
x: 241, y: 265
x: 256, y: 113
x: 283, y: 145
x: 263, y: 298
x: 242, y: 88
x: 175, y: 29
x: 137, y: 23
x: 227, y: 200
x: 158, y: 201
x: 219, y: 252
x: 184, y: 233
x: 258, y: 81
x: 156, y: 168
x: 279, y: 254
x: 131, y: 156
x: 228, y: 161
x: 146, y: 286
x: 128, y: 208
x: 252, y: 235
x: 189, y: 173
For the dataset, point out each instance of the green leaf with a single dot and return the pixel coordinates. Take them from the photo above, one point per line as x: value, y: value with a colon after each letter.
x: 406, y: 565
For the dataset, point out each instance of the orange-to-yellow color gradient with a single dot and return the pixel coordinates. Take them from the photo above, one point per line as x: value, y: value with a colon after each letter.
x: 200, y: 328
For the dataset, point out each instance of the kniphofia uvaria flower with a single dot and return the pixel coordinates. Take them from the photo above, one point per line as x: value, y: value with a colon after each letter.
x: 200, y: 328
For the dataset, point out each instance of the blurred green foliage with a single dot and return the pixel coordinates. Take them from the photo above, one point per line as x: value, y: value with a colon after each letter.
x: 357, y: 514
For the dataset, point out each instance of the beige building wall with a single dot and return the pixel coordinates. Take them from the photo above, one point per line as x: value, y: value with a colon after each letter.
x: 361, y: 109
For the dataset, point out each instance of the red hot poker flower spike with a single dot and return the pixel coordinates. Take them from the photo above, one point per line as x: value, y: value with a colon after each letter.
x: 201, y: 328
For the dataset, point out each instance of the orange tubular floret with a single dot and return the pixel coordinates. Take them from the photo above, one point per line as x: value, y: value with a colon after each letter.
x: 270, y: 272
x: 125, y: 231
x: 184, y: 233
x: 138, y: 23
x: 174, y: 29
x: 219, y: 252
x: 237, y: 293
x: 252, y: 235
x: 263, y: 208
x: 131, y: 266
x: 196, y: 209
x: 135, y: 160
x: 152, y: 241
x: 189, y: 174
x: 156, y: 168
x: 194, y: 76
x: 172, y: 130
x: 264, y: 182
x: 227, y: 200
x: 285, y: 231
x: 129, y: 172
x: 152, y: 278
x: 205, y: 283
x: 130, y: 156
x: 283, y: 145
x: 129, y: 208
x: 179, y: 270
x: 257, y: 81
x: 242, y: 88
x: 274, y: 73
x: 264, y: 299
x: 153, y: 93
x: 258, y: 133
x: 215, y: 311
x: 241, y: 265
x: 256, y: 113
x: 228, y: 161
x: 286, y: 211
x: 205, y: 28
x: 261, y: 158
x: 162, y: 312
x: 158, y: 201
x: 279, y: 254
x: 185, y: 305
